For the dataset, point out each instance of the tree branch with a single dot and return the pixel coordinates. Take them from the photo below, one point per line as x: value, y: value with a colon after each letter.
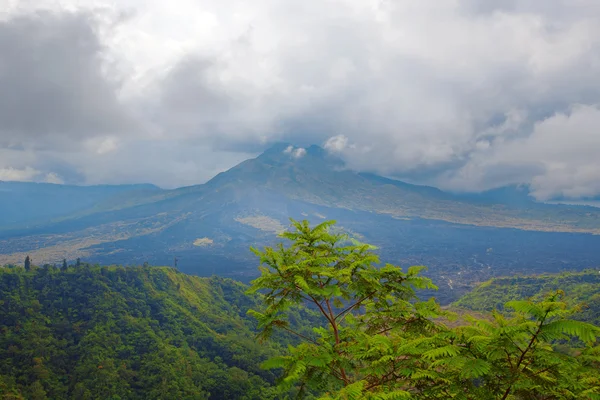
x: 355, y: 304
x: 299, y: 335
x: 529, y: 346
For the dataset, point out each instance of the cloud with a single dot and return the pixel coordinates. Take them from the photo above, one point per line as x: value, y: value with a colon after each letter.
x: 164, y: 163
x: 13, y: 174
x: 558, y: 159
x: 53, y: 177
x: 336, y: 143
x: 295, y: 152
x: 461, y: 94
x: 28, y: 174
x: 53, y: 90
x: 299, y: 152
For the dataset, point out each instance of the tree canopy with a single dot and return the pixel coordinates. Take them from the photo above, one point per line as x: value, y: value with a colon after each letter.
x: 90, y: 332
x: 377, y: 340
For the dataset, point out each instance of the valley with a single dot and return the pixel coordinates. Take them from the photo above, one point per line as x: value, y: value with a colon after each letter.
x: 208, y: 229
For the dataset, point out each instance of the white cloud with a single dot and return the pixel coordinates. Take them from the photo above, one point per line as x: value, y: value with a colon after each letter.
x: 105, y: 145
x: 13, y: 174
x: 454, y: 93
x: 299, y: 152
x: 295, y: 152
x: 53, y: 177
x: 336, y: 143
x: 559, y: 157
x: 29, y: 174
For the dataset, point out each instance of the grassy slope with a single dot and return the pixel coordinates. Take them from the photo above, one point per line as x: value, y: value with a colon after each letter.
x: 579, y: 287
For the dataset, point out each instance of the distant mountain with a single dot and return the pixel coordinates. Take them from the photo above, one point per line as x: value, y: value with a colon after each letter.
x: 207, y: 229
x: 24, y: 203
x: 128, y: 333
x: 321, y: 179
x: 512, y: 196
x: 592, y: 201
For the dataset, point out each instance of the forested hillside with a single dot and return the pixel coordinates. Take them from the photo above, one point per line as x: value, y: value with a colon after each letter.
x: 333, y: 323
x: 127, y: 333
x: 582, y: 288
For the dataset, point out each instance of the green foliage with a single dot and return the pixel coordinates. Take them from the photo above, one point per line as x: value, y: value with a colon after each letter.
x: 127, y: 333
x: 376, y: 340
x: 27, y: 263
x: 583, y: 289
x: 519, y: 357
x: 361, y: 306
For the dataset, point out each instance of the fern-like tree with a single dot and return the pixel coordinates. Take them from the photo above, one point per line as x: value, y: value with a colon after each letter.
x: 376, y: 340
x: 536, y: 353
x: 365, y: 310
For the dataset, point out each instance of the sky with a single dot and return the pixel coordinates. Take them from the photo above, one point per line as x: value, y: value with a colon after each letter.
x: 466, y: 95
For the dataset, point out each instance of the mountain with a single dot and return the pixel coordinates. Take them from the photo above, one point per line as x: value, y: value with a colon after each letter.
x: 24, y: 203
x: 580, y: 288
x: 208, y: 229
x: 512, y: 196
x: 321, y: 179
x: 128, y: 333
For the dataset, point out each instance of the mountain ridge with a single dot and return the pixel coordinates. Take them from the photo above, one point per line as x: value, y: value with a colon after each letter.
x: 209, y: 228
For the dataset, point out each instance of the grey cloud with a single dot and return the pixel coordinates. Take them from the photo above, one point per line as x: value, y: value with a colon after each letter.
x: 191, y: 98
x: 53, y: 90
x: 558, y: 159
x: 165, y: 163
x: 457, y: 94
x: 421, y: 93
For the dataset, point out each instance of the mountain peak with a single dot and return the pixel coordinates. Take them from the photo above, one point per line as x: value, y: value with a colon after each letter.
x: 284, y: 153
x: 277, y: 148
x: 317, y: 151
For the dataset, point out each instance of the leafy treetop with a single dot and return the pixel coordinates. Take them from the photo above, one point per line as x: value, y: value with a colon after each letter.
x: 376, y: 340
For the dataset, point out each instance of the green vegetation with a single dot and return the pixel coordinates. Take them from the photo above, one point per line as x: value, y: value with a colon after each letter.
x: 334, y: 325
x: 376, y: 340
x: 89, y: 332
x: 583, y: 289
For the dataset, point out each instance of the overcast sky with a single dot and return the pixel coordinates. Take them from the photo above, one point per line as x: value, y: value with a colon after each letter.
x: 461, y: 94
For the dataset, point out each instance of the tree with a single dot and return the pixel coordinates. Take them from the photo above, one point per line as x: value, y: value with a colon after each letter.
x: 360, y: 306
x: 37, y: 391
x: 64, y: 265
x: 78, y: 262
x: 519, y: 357
x: 376, y: 340
x: 27, y: 263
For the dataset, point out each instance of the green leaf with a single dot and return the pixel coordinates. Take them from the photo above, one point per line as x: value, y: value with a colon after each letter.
x: 475, y: 369
x: 584, y: 331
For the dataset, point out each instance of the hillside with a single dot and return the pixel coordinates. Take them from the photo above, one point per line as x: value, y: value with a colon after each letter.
x: 127, y: 333
x: 463, y: 239
x: 579, y: 287
x: 25, y: 204
x: 318, y: 178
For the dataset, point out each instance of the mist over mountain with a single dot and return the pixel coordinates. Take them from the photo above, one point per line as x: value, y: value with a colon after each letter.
x: 208, y: 229
x: 26, y: 203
